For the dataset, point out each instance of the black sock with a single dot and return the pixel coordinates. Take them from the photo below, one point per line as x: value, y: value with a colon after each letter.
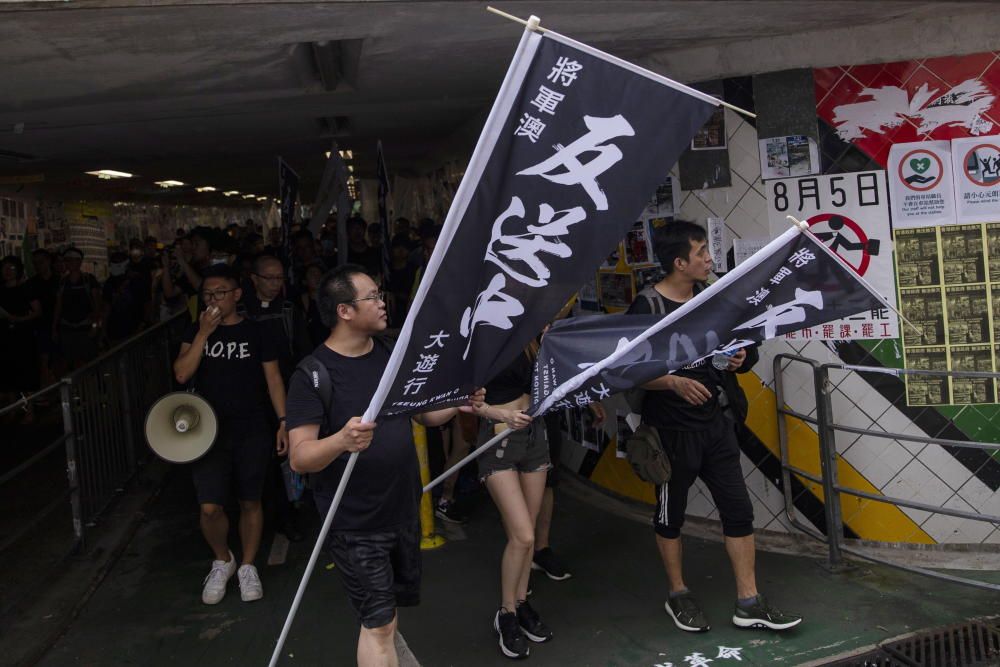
x: 746, y: 603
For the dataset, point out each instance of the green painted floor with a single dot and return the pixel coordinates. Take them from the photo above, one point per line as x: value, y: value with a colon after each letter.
x: 148, y: 611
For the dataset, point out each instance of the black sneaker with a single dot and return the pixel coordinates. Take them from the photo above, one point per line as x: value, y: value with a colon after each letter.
x: 532, y: 626
x: 547, y: 561
x: 512, y: 641
x: 763, y: 615
x: 447, y: 511
x: 687, y: 614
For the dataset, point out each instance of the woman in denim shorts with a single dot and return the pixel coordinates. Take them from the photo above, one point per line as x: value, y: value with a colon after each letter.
x: 514, y: 471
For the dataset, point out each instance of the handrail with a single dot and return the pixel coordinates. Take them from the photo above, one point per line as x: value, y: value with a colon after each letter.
x: 826, y: 427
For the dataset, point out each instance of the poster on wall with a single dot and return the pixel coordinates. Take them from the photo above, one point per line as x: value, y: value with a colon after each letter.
x: 712, y: 135
x: 850, y: 214
x: 976, y: 168
x: 637, y: 246
x: 665, y: 201
x: 717, y: 244
x: 921, y: 186
x: 782, y: 157
x: 949, y: 287
x: 744, y: 248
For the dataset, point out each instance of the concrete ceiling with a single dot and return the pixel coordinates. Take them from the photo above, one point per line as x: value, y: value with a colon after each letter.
x: 209, y: 93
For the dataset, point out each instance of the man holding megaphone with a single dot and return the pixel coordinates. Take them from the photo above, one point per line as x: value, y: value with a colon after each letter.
x: 233, y: 363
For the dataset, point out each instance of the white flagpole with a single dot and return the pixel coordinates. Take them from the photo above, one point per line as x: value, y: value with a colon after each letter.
x: 477, y: 164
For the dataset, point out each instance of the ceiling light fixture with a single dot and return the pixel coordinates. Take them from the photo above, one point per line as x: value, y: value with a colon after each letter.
x: 249, y: 196
x: 207, y: 188
x: 230, y: 193
x: 108, y: 174
x: 169, y: 184
x: 262, y: 198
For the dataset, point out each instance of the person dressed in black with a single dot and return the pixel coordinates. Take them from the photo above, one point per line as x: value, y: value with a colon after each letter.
x: 309, y: 302
x: 19, y: 309
x: 45, y: 286
x: 375, y: 535
x: 282, y: 318
x: 233, y: 364
x: 358, y: 249
x: 76, y: 319
x: 700, y: 441
x: 122, y: 300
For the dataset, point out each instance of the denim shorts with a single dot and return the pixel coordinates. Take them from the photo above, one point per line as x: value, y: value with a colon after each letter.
x: 526, y: 450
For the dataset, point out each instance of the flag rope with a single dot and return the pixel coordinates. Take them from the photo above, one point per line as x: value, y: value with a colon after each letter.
x: 533, y: 24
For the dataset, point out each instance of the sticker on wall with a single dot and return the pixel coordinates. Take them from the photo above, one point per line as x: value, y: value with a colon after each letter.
x: 744, y: 248
x: 850, y: 214
x: 782, y: 157
x: 976, y: 169
x: 920, y: 182
x: 717, y: 244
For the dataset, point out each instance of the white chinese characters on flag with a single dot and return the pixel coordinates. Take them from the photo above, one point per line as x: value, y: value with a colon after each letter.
x: 573, y: 148
x: 849, y: 213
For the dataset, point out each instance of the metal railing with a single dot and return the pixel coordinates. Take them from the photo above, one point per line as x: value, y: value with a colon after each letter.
x: 103, y: 407
x: 826, y: 429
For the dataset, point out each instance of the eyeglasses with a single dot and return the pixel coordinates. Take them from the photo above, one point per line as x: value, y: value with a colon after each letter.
x: 270, y: 278
x: 217, y: 295
x: 378, y: 296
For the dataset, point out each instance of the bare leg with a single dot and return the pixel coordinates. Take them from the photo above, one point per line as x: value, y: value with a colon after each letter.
x: 505, y: 488
x: 741, y: 555
x: 251, y: 528
x: 671, y: 554
x: 215, y: 528
x: 533, y: 487
x: 544, y: 522
x: 376, y: 646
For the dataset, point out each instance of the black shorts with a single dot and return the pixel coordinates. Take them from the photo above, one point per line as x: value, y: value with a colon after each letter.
x: 713, y: 455
x: 239, y: 458
x: 380, y: 570
x: 524, y: 450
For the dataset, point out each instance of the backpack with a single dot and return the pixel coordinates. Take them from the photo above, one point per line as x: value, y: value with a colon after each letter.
x: 643, y: 449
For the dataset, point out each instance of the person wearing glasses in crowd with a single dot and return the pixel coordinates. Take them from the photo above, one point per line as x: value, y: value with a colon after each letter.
x: 233, y: 363
x: 375, y: 534
x: 267, y: 305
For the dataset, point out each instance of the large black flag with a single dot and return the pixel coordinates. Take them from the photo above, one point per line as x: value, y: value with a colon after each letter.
x: 288, y: 194
x: 573, y: 147
x: 382, y: 173
x: 793, y: 283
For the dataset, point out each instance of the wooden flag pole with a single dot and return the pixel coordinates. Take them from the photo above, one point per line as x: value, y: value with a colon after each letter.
x: 804, y: 228
x: 534, y: 24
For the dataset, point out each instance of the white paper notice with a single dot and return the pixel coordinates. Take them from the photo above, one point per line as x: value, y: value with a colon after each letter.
x: 921, y: 186
x: 850, y: 214
x: 717, y: 244
x: 744, y: 248
x: 976, y: 168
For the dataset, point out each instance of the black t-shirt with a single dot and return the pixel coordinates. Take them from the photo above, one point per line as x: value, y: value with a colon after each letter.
x: 45, y: 291
x: 230, y: 375
x: 77, y: 299
x: 512, y: 382
x: 666, y: 409
x: 384, y: 488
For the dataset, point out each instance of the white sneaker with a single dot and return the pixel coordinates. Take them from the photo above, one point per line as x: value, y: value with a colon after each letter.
x: 250, y: 586
x: 215, y: 582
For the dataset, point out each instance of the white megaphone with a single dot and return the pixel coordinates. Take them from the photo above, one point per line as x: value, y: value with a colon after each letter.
x: 181, y: 427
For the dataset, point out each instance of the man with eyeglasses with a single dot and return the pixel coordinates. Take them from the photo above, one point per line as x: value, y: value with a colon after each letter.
x: 233, y: 363
x: 284, y: 322
x: 375, y: 535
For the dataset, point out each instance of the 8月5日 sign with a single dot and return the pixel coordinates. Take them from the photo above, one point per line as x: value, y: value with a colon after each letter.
x: 850, y: 214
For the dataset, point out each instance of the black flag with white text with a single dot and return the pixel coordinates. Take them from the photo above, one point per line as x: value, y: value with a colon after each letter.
x: 576, y: 143
x: 792, y: 283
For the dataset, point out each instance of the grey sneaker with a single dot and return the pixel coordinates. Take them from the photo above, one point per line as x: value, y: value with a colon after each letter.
x: 687, y: 614
x: 215, y: 583
x: 763, y: 615
x: 250, y: 586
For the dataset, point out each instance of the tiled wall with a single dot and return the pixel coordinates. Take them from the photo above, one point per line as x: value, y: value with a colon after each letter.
x: 928, y: 473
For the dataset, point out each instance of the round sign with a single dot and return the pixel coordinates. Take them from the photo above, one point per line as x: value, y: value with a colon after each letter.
x: 921, y: 170
x: 846, y: 238
x: 985, y: 165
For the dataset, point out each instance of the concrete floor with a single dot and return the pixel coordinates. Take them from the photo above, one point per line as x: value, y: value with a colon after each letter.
x: 148, y: 611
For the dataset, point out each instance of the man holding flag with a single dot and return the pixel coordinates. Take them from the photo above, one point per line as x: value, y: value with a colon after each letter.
x: 375, y: 537
x: 700, y: 441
